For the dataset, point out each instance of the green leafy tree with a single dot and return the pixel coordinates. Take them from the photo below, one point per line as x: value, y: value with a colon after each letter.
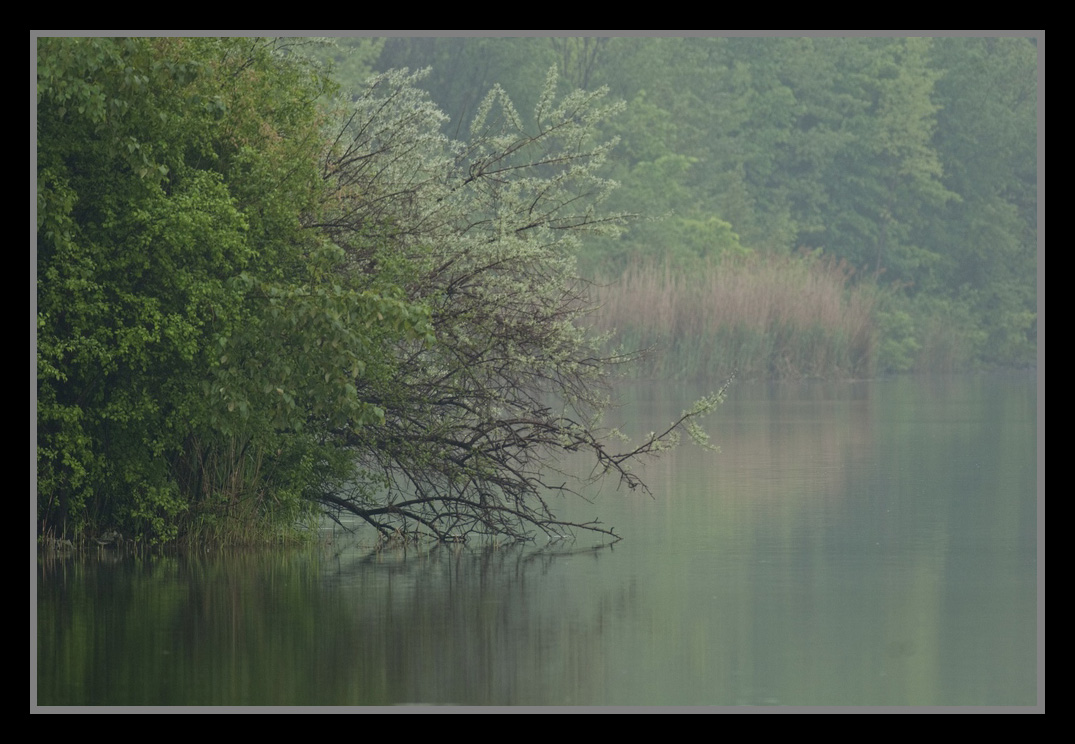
x: 122, y: 300
x: 578, y: 58
x: 462, y: 70
x: 186, y: 314
x: 345, y: 58
x: 890, y: 174
x: 486, y: 231
x: 987, y: 142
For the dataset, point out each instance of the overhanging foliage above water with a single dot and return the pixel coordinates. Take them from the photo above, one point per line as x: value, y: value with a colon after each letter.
x: 251, y: 304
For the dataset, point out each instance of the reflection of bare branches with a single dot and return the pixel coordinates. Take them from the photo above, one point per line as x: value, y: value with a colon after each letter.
x: 400, y: 556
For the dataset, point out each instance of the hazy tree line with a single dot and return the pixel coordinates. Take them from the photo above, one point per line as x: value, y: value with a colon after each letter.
x: 911, y: 159
x: 259, y: 297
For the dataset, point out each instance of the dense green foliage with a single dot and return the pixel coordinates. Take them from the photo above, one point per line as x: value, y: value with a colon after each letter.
x: 186, y: 316
x: 253, y: 302
x: 913, y: 160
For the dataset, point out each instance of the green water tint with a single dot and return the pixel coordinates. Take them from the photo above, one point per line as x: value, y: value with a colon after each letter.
x: 851, y: 544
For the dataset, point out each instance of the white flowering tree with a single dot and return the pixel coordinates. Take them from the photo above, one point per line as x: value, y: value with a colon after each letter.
x: 482, y: 234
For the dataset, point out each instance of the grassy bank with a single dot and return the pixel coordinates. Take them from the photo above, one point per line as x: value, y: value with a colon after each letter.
x: 762, y: 316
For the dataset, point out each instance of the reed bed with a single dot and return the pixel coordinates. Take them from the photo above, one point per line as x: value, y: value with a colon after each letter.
x: 234, y: 501
x: 759, y: 316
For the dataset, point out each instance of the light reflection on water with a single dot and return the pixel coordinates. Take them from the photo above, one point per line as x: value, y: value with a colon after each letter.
x: 852, y: 544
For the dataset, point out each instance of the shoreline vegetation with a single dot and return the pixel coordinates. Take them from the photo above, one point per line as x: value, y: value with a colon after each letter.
x: 755, y: 316
x: 283, y: 278
x: 763, y: 316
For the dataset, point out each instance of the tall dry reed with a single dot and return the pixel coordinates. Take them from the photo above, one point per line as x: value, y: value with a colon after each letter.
x: 762, y: 316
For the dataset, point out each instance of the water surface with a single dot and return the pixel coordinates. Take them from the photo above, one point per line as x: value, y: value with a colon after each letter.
x: 869, y: 543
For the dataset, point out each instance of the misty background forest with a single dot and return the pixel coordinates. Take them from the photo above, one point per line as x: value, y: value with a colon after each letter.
x: 810, y: 206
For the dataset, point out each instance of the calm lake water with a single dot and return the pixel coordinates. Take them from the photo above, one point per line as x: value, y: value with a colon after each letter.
x: 852, y: 544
